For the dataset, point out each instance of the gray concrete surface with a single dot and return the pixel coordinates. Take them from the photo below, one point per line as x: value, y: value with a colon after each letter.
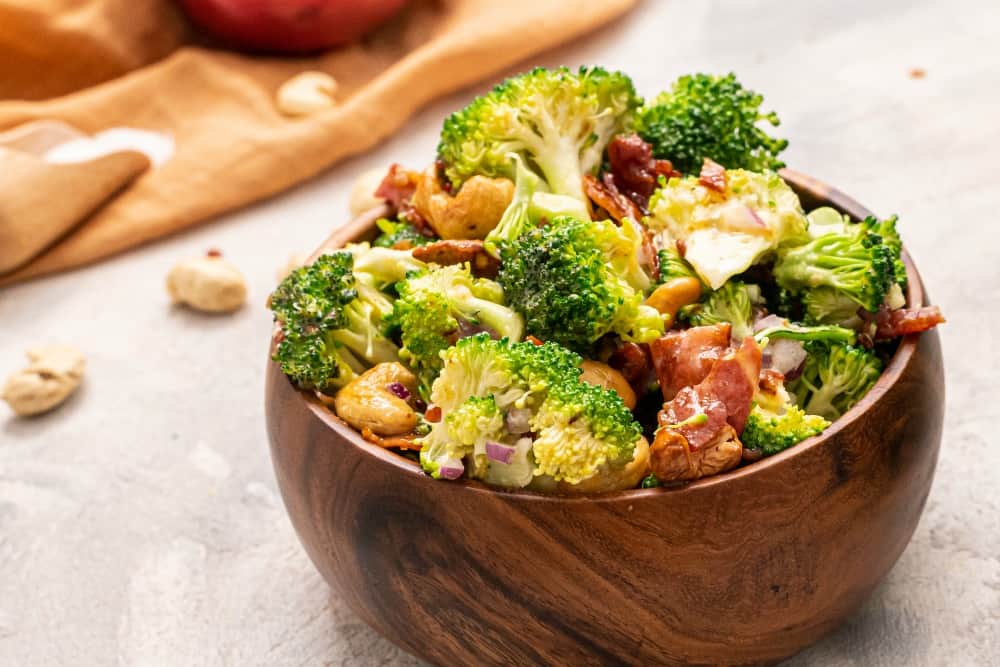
x: 140, y: 524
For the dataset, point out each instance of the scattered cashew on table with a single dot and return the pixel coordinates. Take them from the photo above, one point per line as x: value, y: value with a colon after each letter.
x: 208, y: 283
x: 53, y: 374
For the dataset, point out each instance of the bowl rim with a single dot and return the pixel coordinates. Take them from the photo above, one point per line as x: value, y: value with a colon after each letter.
x: 817, y: 189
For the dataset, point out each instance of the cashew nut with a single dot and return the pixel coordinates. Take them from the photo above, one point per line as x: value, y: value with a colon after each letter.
x: 671, y: 296
x: 306, y: 93
x: 367, y: 401
x: 604, y: 376
x: 363, y: 191
x: 208, y: 283
x: 627, y: 477
x: 470, y: 214
x: 54, y: 373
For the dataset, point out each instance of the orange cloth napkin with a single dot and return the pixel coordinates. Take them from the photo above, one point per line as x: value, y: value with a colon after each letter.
x: 136, y: 64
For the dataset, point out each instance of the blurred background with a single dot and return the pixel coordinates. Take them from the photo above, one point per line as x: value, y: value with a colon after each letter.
x: 140, y: 522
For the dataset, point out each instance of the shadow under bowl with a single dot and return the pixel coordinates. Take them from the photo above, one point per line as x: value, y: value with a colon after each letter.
x: 748, y: 567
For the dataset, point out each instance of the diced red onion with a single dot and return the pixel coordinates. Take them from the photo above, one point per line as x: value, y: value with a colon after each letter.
x: 768, y: 322
x: 517, y: 421
x: 398, y: 389
x: 742, y: 219
x: 496, y: 451
x: 795, y: 372
x: 785, y: 356
x: 451, y: 469
x: 753, y: 214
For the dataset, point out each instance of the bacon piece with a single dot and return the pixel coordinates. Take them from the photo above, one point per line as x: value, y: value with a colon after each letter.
x: 460, y: 251
x: 685, y: 358
x: 395, y: 442
x: 689, y: 403
x: 734, y: 379
x: 632, y: 361
x: 713, y: 176
x: 904, y: 321
x: 634, y: 171
x: 610, y: 199
x: 686, y: 447
x: 770, y: 381
x: 397, y: 189
x: 624, y: 211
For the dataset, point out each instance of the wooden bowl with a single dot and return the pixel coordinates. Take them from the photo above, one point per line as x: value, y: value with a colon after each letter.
x: 744, y: 568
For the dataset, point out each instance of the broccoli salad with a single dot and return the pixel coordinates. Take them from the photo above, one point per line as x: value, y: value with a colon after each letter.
x: 588, y: 292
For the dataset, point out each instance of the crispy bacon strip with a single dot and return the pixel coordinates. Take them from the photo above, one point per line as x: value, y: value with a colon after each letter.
x: 460, y: 251
x: 688, y: 404
x: 770, y: 381
x: 624, y: 211
x: 713, y: 176
x: 407, y: 441
x: 685, y: 358
x: 734, y: 379
x: 397, y: 190
x: 895, y: 323
x: 610, y: 199
x: 634, y: 171
x: 699, y: 426
x: 633, y: 362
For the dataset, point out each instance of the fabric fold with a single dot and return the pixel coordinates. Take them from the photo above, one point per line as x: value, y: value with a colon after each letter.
x: 233, y: 147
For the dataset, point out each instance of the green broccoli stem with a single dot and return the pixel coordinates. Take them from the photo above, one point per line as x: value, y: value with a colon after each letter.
x: 499, y: 318
x: 386, y: 265
x: 362, y: 335
x: 515, y: 218
x: 825, y: 333
x: 367, y: 344
x: 563, y: 173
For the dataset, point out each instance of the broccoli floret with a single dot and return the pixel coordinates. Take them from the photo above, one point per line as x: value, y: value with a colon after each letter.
x: 772, y: 433
x: 725, y: 233
x: 331, y: 321
x: 556, y: 120
x: 476, y: 419
x: 825, y: 305
x: 732, y: 303
x: 575, y: 281
x: 854, y: 261
x: 887, y: 230
x: 466, y: 429
x: 393, y: 232
x: 672, y: 265
x: 834, y: 378
x: 775, y: 423
x: 383, y: 267
x: 706, y: 116
x: 649, y: 482
x: 579, y: 429
x: 441, y: 304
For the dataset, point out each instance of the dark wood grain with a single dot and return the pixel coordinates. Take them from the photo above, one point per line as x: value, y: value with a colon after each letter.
x: 741, y: 569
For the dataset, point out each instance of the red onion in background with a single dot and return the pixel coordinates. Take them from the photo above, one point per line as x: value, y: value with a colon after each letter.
x: 289, y: 26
